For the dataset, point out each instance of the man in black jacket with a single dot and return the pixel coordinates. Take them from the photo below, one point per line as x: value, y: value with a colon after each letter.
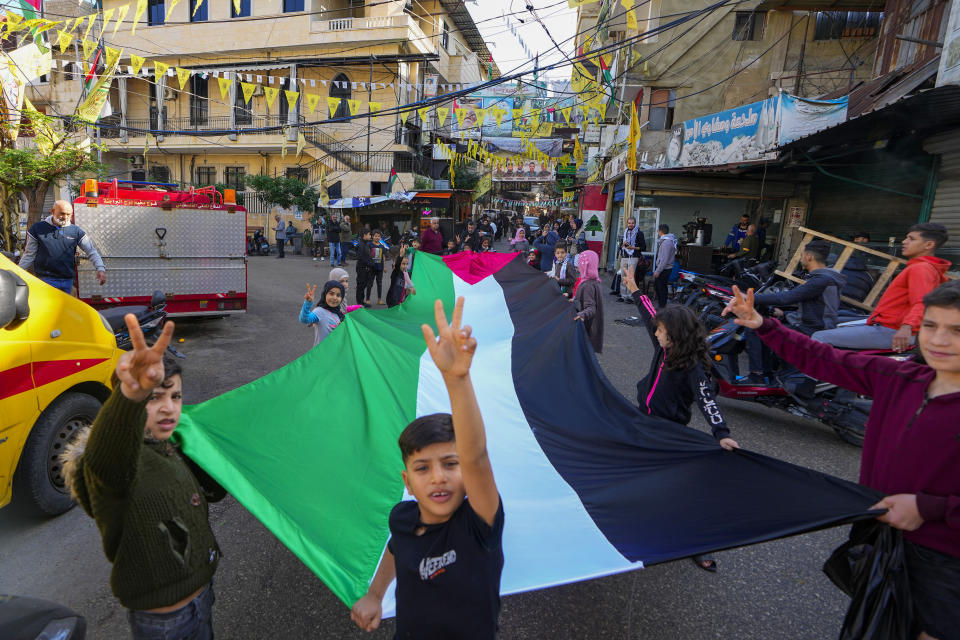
x: 818, y: 299
x: 469, y: 238
x: 365, y: 266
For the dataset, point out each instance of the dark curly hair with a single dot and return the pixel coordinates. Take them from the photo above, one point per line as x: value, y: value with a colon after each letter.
x: 688, y: 338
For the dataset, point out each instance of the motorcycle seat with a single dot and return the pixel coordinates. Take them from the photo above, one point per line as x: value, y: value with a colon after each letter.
x: 114, y: 315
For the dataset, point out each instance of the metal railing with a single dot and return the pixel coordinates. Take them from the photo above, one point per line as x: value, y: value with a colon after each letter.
x: 210, y: 123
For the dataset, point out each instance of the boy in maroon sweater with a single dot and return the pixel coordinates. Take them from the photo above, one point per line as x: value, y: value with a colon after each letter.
x: 911, y: 449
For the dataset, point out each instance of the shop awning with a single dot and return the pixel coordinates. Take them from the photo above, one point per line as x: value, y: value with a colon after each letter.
x: 415, y: 198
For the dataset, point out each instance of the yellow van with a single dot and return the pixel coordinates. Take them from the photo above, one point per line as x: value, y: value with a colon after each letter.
x: 57, y: 355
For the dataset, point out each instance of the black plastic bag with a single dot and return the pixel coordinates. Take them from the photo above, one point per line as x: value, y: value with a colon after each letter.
x: 871, y: 568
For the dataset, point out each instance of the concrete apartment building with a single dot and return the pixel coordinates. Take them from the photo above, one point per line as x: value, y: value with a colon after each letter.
x: 348, y: 49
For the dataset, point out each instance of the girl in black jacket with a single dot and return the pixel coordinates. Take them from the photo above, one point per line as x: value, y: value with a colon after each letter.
x: 678, y: 373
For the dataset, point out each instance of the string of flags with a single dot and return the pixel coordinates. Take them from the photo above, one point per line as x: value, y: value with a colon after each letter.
x: 553, y: 202
x: 478, y: 152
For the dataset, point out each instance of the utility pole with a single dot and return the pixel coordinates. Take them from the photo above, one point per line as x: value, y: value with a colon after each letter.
x: 369, y: 98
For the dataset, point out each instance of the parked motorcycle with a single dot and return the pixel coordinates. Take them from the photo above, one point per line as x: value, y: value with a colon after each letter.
x: 150, y: 318
x: 791, y: 391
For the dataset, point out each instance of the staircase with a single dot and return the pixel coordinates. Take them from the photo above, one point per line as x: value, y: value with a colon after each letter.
x: 338, y: 156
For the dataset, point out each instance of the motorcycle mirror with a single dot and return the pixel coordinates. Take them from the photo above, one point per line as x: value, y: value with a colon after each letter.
x: 14, y: 295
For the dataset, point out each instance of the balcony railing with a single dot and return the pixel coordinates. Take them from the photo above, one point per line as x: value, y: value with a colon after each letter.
x: 210, y: 123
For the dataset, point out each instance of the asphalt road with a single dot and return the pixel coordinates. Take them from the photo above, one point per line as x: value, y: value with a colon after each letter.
x: 772, y: 590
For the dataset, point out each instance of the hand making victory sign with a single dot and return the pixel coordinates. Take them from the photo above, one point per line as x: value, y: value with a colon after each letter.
x: 451, y: 348
x: 311, y: 292
x: 141, y: 370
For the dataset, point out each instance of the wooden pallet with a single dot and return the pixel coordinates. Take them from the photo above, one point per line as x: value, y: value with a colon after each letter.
x: 893, y: 263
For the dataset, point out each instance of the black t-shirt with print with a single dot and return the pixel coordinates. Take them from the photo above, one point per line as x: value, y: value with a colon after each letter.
x: 448, y: 578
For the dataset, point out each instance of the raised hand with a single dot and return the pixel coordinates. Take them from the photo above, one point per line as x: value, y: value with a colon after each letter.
x: 742, y: 307
x: 311, y: 292
x: 451, y: 348
x: 628, y: 280
x: 140, y: 370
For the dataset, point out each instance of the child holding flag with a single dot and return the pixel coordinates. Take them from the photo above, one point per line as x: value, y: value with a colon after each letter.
x: 445, y: 549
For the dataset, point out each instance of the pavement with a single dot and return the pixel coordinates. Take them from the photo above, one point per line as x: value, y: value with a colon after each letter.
x: 771, y: 590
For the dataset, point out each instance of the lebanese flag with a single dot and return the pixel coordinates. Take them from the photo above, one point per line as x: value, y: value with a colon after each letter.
x: 590, y: 485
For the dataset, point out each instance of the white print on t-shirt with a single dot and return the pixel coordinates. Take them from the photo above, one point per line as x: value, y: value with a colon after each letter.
x: 431, y: 567
x: 709, y: 405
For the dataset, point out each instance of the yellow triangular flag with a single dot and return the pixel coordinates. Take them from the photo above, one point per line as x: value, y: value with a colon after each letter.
x: 312, y: 100
x: 403, y: 117
x: 90, y: 20
x: 236, y: 7
x: 248, y: 89
x: 173, y: 3
x: 224, y: 87
x: 120, y: 17
x: 271, y: 94
x: 602, y: 108
x: 64, y: 40
x: 517, y: 116
x: 373, y: 107
x: 461, y: 115
x: 333, y: 104
x: 354, y: 106
x: 159, y: 69
x: 577, y: 151
x: 107, y: 17
x: 138, y: 14
x: 196, y: 7
x: 113, y: 56
x: 442, y: 114
x: 632, y: 20
x: 182, y: 75
x: 292, y: 97
x: 301, y: 143
x: 566, y: 113
x: 88, y: 47
x: 423, y: 114
x: 632, y: 137
x: 136, y: 62
x: 498, y: 114
x: 480, y: 115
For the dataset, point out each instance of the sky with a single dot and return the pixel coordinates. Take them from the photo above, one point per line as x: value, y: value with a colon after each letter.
x: 494, y: 17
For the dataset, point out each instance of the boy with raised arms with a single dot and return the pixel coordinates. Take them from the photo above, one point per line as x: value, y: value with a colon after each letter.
x: 445, y: 549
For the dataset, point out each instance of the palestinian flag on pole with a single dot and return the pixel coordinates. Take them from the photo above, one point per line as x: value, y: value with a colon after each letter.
x: 590, y: 485
x: 393, y: 178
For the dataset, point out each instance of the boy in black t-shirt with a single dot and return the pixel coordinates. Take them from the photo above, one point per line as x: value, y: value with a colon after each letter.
x: 445, y: 551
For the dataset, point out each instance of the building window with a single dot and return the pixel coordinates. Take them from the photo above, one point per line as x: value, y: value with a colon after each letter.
x: 244, y: 9
x: 242, y: 112
x: 159, y: 173
x: 379, y: 188
x: 200, y: 15
x: 290, y: 6
x: 748, y: 25
x: 444, y: 34
x: 298, y: 173
x: 340, y: 88
x: 156, y: 11
x: 235, y: 177
x: 199, y: 104
x: 834, y: 25
x: 403, y: 162
x: 206, y: 176
x: 138, y: 175
x: 662, y: 102
x: 284, y: 107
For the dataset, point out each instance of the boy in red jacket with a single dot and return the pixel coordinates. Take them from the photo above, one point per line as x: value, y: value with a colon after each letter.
x: 911, y: 450
x: 896, y: 320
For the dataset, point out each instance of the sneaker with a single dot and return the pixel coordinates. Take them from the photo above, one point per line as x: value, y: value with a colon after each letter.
x: 380, y: 302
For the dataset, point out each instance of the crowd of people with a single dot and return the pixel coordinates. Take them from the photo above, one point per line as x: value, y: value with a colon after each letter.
x: 127, y: 474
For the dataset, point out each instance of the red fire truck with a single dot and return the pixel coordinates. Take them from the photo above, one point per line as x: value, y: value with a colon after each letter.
x: 190, y: 245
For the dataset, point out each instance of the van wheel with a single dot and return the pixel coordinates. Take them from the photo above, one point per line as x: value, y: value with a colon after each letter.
x: 40, y: 473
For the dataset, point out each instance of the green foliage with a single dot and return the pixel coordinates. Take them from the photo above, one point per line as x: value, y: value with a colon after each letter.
x: 422, y: 183
x: 463, y: 178
x: 284, y: 192
x: 25, y: 169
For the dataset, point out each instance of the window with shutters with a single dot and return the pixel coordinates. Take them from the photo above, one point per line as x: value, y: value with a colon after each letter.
x: 206, y: 176
x: 340, y: 88
x: 748, y: 25
x: 662, y: 102
x: 242, y: 112
x: 156, y: 12
x: 834, y: 25
x: 199, y: 102
x: 235, y: 177
x: 444, y: 34
x: 244, y: 8
x: 199, y: 13
x: 159, y: 173
x: 290, y: 6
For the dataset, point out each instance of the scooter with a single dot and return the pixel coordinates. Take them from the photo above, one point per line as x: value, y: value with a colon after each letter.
x: 841, y: 409
x: 150, y: 318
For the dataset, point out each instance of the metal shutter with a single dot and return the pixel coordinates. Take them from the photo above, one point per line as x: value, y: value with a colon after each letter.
x: 946, y: 201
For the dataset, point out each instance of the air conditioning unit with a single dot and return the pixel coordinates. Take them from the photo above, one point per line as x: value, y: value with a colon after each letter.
x: 169, y: 93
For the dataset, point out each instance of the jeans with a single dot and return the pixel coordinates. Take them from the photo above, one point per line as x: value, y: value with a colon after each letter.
x: 660, y: 285
x: 762, y: 359
x: 336, y: 257
x: 280, y: 244
x: 191, y: 622
x: 64, y: 284
x: 344, y: 252
x: 866, y: 336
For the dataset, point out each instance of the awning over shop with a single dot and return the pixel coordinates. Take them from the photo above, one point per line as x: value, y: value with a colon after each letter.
x: 414, y: 198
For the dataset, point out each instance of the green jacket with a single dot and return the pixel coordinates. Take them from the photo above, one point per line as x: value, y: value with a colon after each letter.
x: 149, y: 502
x: 749, y: 247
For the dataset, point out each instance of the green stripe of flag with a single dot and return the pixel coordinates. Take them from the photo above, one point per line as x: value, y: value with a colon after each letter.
x: 311, y: 449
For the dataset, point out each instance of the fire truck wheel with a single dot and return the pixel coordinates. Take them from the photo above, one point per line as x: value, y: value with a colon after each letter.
x: 40, y: 472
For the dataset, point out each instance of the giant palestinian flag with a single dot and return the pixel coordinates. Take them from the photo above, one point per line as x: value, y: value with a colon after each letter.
x: 590, y: 485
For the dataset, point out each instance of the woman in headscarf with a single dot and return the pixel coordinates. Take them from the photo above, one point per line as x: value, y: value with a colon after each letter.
x: 588, y: 296
x: 519, y: 241
x: 326, y: 316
